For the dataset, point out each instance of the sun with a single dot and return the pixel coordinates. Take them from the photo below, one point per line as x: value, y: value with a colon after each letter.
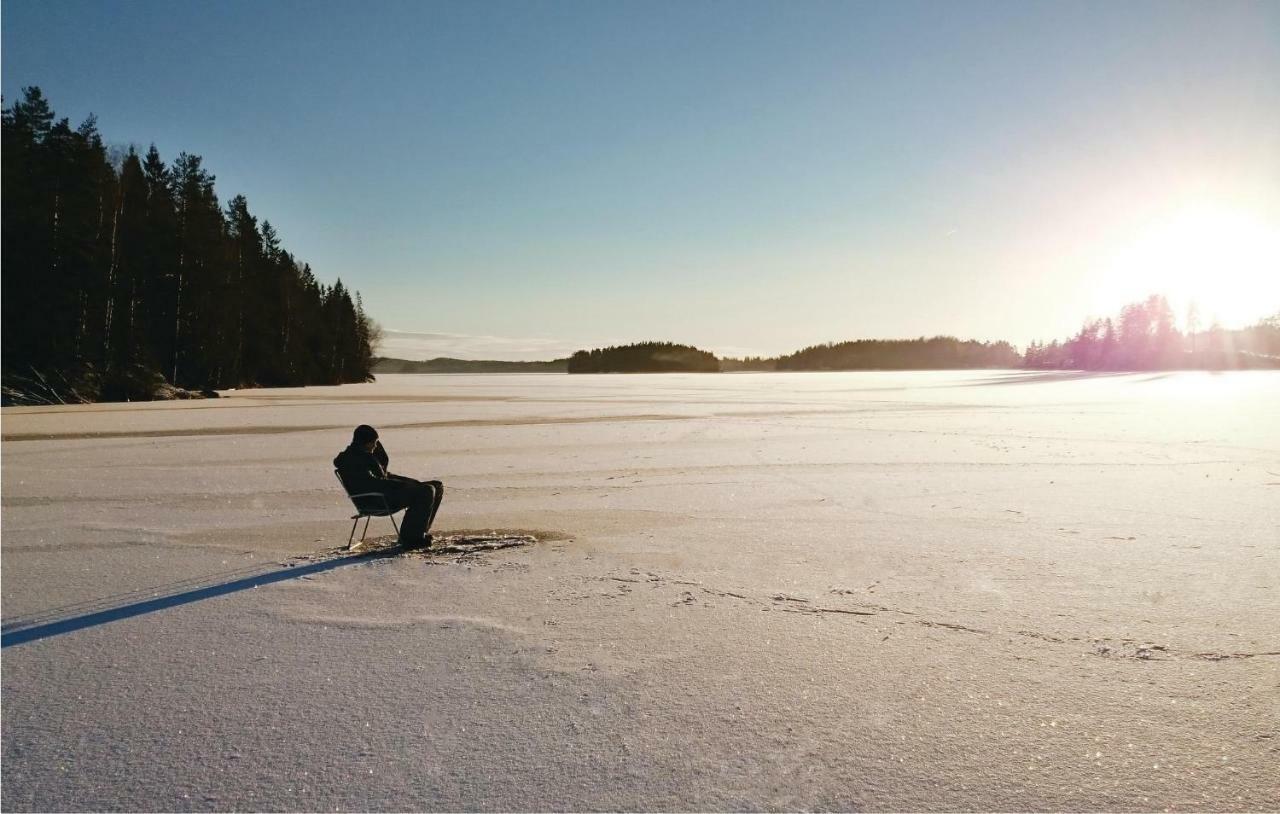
x: 1223, y: 260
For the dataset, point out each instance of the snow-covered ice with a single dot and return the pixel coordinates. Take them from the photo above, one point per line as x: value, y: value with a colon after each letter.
x: 973, y: 590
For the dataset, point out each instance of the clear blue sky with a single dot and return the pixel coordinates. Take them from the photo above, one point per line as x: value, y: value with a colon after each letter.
x: 520, y: 177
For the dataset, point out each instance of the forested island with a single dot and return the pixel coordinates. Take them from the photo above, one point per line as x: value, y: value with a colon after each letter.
x: 444, y: 364
x: 125, y: 279
x: 644, y: 357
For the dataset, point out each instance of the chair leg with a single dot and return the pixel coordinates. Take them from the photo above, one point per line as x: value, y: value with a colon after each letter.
x: 393, y: 524
x: 365, y: 530
x: 352, y: 535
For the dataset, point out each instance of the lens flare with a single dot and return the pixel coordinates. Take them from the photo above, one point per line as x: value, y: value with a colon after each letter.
x: 1222, y: 260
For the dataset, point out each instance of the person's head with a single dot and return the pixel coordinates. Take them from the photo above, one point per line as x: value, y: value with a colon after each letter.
x: 365, y: 436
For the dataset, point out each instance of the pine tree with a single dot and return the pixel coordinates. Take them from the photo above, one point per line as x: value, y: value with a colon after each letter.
x: 115, y: 275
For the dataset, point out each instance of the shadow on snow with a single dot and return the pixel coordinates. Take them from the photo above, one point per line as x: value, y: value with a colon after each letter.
x: 1064, y: 376
x: 84, y: 615
x: 21, y: 632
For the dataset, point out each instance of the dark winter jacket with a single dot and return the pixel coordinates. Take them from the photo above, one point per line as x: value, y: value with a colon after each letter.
x: 366, y: 471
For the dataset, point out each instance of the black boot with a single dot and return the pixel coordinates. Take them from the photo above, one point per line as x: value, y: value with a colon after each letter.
x: 414, y: 545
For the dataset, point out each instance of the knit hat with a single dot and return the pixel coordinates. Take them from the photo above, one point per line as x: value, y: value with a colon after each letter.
x: 364, y: 434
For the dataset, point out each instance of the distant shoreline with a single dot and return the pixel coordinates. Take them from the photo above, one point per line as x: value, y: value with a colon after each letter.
x: 449, y: 365
x: 1143, y: 338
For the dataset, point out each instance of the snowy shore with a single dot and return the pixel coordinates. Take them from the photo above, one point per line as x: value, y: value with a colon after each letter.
x: 982, y: 590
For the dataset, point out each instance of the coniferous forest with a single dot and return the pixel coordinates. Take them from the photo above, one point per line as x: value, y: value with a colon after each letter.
x: 936, y: 353
x: 1145, y: 336
x: 124, y: 278
x: 644, y: 357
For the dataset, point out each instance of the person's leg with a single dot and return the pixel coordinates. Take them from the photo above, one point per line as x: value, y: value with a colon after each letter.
x: 417, y: 498
x: 437, y: 495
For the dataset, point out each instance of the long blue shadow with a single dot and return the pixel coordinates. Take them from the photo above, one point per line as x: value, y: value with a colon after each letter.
x: 30, y: 634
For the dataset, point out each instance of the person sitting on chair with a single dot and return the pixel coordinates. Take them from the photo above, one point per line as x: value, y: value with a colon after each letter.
x: 363, y: 468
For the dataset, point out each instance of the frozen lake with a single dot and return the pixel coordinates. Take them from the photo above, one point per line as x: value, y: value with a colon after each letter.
x: 910, y: 591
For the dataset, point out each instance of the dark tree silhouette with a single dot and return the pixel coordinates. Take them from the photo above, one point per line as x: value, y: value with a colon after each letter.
x: 937, y: 353
x: 644, y: 357
x: 445, y: 364
x: 129, y: 282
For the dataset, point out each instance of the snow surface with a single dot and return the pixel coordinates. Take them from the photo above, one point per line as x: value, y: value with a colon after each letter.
x: 921, y: 591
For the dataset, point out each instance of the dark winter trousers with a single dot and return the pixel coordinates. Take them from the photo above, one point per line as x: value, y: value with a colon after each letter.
x: 422, y: 499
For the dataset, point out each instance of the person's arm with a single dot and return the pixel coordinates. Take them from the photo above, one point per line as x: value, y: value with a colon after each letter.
x: 384, y: 460
x: 361, y: 472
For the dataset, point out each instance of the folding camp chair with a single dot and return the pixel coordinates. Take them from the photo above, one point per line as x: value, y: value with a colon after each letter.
x: 367, y: 505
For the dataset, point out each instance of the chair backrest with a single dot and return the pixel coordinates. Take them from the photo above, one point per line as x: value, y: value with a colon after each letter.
x: 370, y: 503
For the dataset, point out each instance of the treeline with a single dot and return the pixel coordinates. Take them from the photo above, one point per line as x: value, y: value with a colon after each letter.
x: 729, y: 364
x: 1145, y: 336
x: 123, y: 276
x: 644, y: 357
x: 936, y: 353
x: 444, y: 364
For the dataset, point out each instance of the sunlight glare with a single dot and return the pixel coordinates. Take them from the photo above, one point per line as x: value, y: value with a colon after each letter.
x: 1224, y: 260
